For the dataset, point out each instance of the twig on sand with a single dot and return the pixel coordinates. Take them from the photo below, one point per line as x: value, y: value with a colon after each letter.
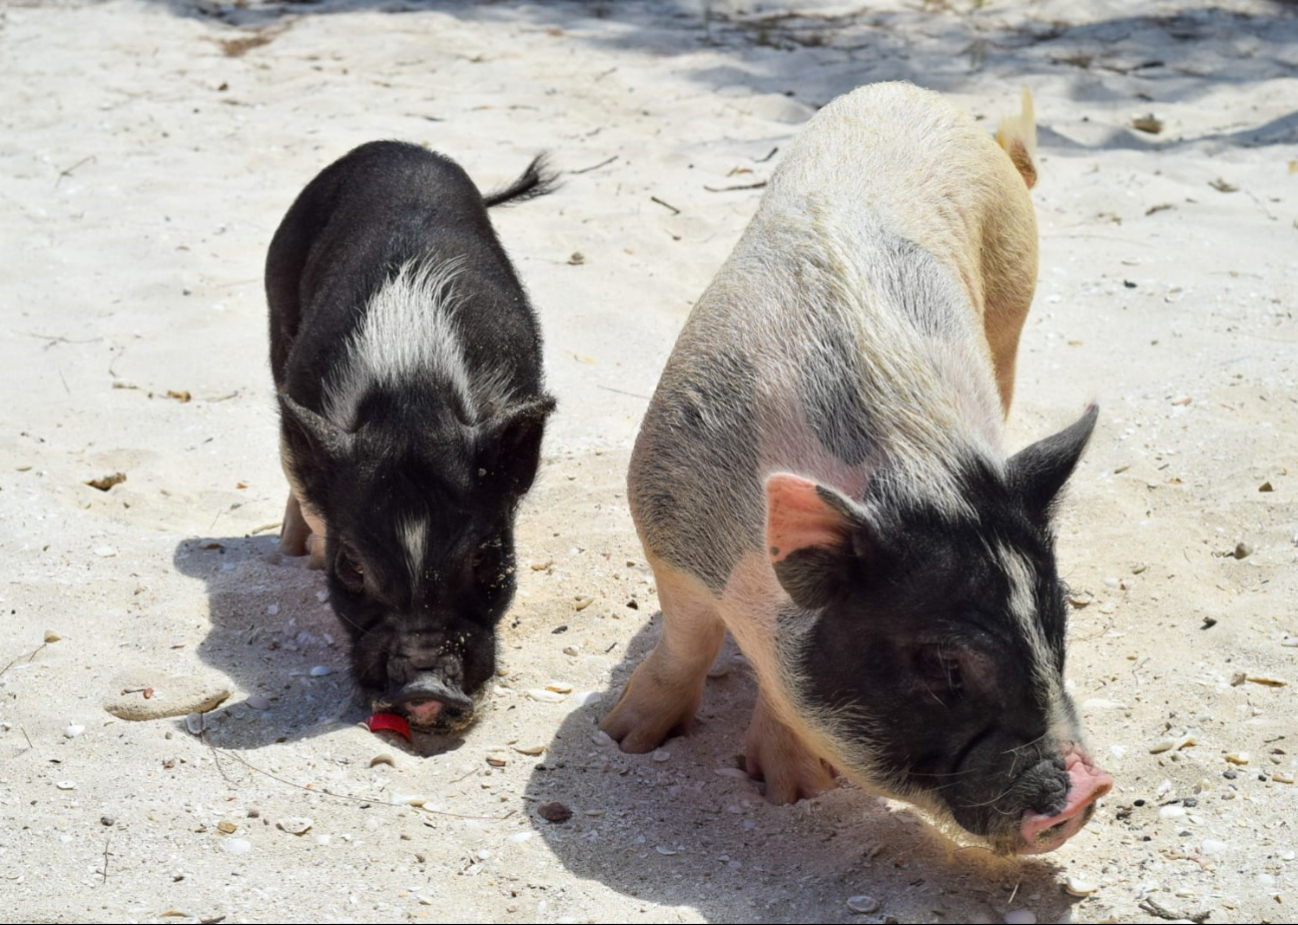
x: 730, y: 189
x: 68, y: 172
x: 104, y: 872
x: 763, y: 160
x: 217, y: 753
x: 603, y: 163
x: 29, y: 656
x: 1154, y: 909
x: 666, y: 205
x: 609, y: 388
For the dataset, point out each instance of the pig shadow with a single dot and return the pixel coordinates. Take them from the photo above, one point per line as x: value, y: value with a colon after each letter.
x: 685, y: 827
x: 273, y: 633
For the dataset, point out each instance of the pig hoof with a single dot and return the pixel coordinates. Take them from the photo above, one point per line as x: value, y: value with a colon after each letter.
x: 640, y: 724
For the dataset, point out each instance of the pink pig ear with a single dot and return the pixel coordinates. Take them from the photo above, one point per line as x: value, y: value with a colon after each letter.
x: 815, y: 537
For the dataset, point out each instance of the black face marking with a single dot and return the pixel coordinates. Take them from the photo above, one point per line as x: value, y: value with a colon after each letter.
x: 708, y: 459
x: 926, y: 664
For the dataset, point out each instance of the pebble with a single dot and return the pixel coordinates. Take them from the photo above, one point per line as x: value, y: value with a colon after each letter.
x: 542, y: 565
x: 554, y: 812
x: 863, y: 904
x: 1171, y: 812
x: 258, y: 702
x: 171, y: 696
x: 73, y: 731
x: 383, y: 758
x: 410, y: 799
x: 661, y: 755
x: 1282, y: 777
x: 273, y: 609
x: 1172, y: 743
x: 1240, y: 758
x: 295, y: 825
x: 51, y: 636
x: 530, y: 749
x: 496, y: 761
x: 1020, y: 917
x: 226, y: 827
x: 105, y: 552
x: 559, y: 687
x: 544, y: 696
x: 320, y: 671
x: 322, y: 596
x: 237, y: 845
x: 107, y: 821
x: 571, y: 650
x: 66, y: 785
x: 1243, y: 551
x: 194, y: 723
x: 1076, y: 886
x: 1288, y: 855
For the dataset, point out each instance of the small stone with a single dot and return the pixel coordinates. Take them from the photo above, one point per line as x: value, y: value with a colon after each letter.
x: 571, y: 651
x: 105, y: 552
x: 295, y: 825
x: 554, y: 812
x: 577, y: 259
x: 582, y: 601
x: 410, y: 799
x: 496, y: 761
x: 542, y: 566
x: 1020, y: 917
x: 226, y: 828
x: 258, y: 702
x: 1174, y: 743
x: 107, y: 821
x: 1080, y: 599
x: 559, y: 687
x: 322, y: 596
x: 51, y: 636
x: 1149, y: 124
x: 1076, y: 886
x: 1171, y: 812
x: 661, y: 755
x: 383, y: 758
x: 1265, y: 486
x: 862, y: 904
x: 73, y: 731
x: 1243, y: 550
x: 666, y: 851
x: 237, y: 845
x: 1240, y: 758
x: 272, y: 609
x: 320, y: 671
x: 254, y: 812
x: 1230, y: 774
x: 66, y: 785
x: 1282, y: 777
x: 530, y: 749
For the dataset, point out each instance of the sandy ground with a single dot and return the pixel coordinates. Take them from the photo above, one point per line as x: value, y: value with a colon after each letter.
x: 148, y: 151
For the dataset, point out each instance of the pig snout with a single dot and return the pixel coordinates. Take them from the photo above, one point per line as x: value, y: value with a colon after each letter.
x: 1041, y: 832
x: 429, y: 702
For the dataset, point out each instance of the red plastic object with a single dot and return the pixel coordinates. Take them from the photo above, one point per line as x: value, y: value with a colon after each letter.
x: 390, y: 722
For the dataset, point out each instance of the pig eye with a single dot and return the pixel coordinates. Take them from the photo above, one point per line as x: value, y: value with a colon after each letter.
x: 940, y: 669
x: 349, y: 572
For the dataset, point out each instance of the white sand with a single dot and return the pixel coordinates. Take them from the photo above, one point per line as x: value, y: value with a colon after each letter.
x: 142, y: 172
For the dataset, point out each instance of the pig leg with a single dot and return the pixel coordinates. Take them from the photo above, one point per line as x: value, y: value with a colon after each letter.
x: 665, y: 691
x: 778, y: 755
x: 294, y: 534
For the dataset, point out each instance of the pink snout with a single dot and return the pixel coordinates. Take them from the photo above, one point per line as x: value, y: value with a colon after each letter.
x: 1086, y: 784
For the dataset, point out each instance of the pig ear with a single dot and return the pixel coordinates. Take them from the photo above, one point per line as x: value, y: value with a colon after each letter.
x: 509, y: 445
x: 311, y: 440
x: 817, y: 539
x: 1037, y: 474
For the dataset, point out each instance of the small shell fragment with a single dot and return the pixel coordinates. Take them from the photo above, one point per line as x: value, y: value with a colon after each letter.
x: 73, y: 731
x: 661, y: 755
x: 1240, y: 758
x: 496, y: 761
x: 226, y: 827
x: 582, y: 601
x: 1290, y: 641
x: 530, y: 749
x: 320, y: 671
x: 559, y: 687
x: 66, y: 785
x: 544, y: 696
x: 863, y: 904
x: 410, y: 799
x: 542, y: 565
x: 666, y: 851
x: 51, y: 636
x: 1175, y: 743
x: 1076, y: 886
x: 1282, y: 777
x: 295, y: 825
x: 383, y: 758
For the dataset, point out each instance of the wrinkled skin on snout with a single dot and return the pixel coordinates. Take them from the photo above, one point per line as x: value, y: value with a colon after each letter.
x: 930, y: 645
x: 420, y: 548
